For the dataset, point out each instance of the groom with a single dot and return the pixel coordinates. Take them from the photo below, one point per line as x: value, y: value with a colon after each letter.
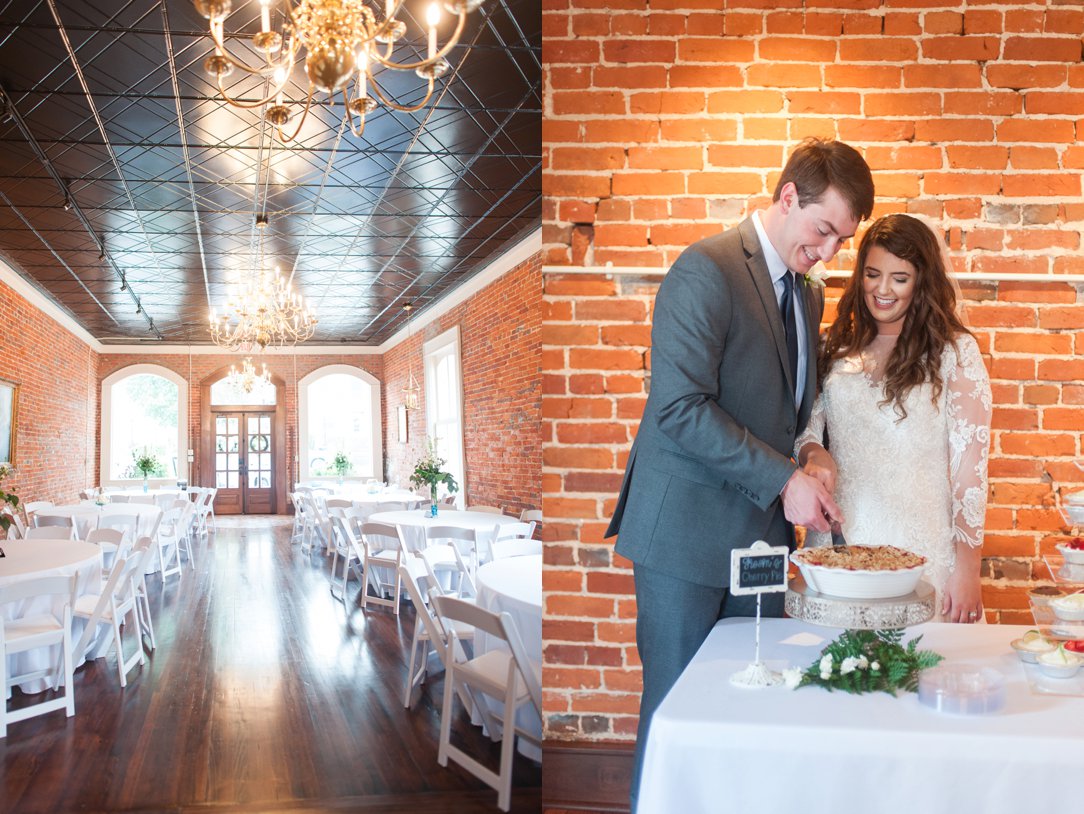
x: 733, y: 379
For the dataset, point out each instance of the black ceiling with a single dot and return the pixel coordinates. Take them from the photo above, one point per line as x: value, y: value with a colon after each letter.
x: 115, y: 103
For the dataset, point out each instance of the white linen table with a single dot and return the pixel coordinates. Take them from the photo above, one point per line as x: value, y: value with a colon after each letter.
x: 414, y: 522
x: 86, y: 514
x: 514, y: 585
x: 713, y: 746
x: 30, y: 559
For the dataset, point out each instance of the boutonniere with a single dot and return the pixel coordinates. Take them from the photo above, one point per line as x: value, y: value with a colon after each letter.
x: 815, y: 277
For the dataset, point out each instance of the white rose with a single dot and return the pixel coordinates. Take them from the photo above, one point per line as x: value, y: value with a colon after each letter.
x: 863, y: 662
x: 792, y: 677
x: 875, y: 666
x: 826, y: 663
x: 825, y: 675
x: 848, y: 665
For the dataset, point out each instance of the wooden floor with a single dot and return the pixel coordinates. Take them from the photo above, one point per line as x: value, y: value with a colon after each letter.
x: 266, y: 693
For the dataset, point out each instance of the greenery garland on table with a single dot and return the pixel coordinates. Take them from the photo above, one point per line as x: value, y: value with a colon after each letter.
x: 870, y: 661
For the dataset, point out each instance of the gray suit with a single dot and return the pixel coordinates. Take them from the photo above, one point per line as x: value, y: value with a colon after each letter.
x: 713, y: 449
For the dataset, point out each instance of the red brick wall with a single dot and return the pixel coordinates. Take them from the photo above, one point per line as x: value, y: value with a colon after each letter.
x: 500, y: 336
x: 55, y: 455
x: 667, y: 124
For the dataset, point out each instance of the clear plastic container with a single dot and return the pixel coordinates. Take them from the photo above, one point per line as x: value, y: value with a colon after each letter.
x: 961, y: 689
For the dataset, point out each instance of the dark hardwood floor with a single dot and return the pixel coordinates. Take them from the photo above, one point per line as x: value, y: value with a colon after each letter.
x: 266, y: 693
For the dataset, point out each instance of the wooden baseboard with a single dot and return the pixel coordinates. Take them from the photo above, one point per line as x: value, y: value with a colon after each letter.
x: 584, y: 776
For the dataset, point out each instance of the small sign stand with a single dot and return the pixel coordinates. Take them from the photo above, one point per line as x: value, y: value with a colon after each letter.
x: 759, y: 569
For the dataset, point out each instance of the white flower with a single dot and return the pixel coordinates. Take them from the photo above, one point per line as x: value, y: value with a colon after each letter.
x: 863, y: 662
x: 875, y: 666
x: 848, y: 665
x: 792, y: 677
x: 826, y: 664
x: 825, y: 675
x: 816, y: 277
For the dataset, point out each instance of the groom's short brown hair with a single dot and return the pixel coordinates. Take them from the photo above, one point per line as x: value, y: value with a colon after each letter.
x: 817, y: 164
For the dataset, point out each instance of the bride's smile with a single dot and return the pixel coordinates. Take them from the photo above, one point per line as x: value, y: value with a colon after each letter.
x: 888, y: 286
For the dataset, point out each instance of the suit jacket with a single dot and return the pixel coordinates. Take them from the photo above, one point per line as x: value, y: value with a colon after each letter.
x: 714, y: 446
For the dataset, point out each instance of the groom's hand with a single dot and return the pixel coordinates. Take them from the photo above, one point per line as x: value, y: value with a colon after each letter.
x: 807, y: 503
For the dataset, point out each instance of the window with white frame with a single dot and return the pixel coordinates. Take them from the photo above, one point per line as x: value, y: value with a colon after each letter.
x: 444, y: 402
x: 340, y: 414
x: 144, y: 413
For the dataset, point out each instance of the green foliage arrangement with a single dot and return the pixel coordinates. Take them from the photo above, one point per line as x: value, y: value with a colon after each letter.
x: 6, y: 498
x: 147, y: 464
x: 862, y: 661
x: 341, y: 463
x: 429, y: 470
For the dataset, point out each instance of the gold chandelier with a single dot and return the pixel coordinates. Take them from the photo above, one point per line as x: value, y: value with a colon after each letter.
x: 263, y: 312
x: 246, y: 379
x: 343, y: 40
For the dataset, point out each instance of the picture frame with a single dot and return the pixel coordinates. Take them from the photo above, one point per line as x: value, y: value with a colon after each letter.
x: 9, y: 419
x: 404, y: 427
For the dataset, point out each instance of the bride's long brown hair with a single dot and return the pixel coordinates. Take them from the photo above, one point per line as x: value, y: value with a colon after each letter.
x: 929, y: 324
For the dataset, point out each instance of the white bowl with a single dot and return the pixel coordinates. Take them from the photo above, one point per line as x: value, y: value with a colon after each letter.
x: 1060, y: 669
x: 1069, y: 608
x: 1031, y: 656
x: 859, y: 584
x: 1073, y: 556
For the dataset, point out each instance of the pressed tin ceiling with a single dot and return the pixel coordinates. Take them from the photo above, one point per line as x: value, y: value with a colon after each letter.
x: 109, y: 100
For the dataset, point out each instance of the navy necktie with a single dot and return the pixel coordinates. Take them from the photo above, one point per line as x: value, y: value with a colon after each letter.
x: 790, y: 325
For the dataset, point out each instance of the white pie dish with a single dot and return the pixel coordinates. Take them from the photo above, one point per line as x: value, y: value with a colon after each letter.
x: 859, y: 584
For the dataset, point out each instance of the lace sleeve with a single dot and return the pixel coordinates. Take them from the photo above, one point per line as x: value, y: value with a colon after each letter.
x: 969, y: 405
x: 814, y: 429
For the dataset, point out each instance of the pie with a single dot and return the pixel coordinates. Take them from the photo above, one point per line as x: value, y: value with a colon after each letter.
x: 860, y: 558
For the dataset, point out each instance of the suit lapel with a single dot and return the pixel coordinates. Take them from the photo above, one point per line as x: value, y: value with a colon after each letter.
x: 762, y: 279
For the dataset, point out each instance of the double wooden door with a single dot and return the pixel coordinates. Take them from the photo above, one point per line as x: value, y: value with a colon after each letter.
x: 244, y: 462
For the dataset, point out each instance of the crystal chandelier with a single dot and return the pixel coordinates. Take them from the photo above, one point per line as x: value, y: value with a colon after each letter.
x: 263, y: 312
x: 343, y: 40
x: 412, y: 392
x: 246, y: 379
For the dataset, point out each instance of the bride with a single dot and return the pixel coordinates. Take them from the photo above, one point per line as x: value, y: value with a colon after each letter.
x: 906, y: 403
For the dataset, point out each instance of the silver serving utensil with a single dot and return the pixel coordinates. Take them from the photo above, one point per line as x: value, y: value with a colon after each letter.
x: 837, y: 535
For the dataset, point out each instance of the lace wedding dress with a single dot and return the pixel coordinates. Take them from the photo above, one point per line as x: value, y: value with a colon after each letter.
x: 918, y: 483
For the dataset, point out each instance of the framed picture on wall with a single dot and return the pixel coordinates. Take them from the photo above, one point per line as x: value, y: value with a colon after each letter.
x: 403, y: 426
x: 9, y: 403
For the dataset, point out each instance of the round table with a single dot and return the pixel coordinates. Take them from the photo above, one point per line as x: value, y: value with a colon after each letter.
x: 86, y: 514
x: 513, y: 585
x: 414, y: 522
x: 29, y: 559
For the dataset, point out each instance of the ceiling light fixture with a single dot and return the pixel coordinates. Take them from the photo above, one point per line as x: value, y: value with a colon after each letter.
x: 263, y: 312
x: 343, y: 40
x: 123, y: 283
x: 67, y: 203
x: 246, y: 379
x: 412, y: 391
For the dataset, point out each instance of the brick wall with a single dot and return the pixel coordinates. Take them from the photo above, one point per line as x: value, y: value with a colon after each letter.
x: 668, y: 123
x: 55, y: 455
x: 500, y: 336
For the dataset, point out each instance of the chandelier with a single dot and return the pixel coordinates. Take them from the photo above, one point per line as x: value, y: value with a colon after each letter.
x: 263, y: 312
x: 343, y: 40
x: 246, y: 379
x: 412, y: 392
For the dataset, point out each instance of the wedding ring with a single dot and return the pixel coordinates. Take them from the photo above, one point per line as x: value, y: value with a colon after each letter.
x: 972, y: 614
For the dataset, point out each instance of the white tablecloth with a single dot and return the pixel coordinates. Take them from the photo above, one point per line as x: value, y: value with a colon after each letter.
x: 29, y: 559
x: 87, y: 514
x: 514, y: 586
x: 415, y: 521
x: 714, y: 747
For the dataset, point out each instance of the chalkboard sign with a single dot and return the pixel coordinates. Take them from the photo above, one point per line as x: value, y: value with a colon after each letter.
x: 760, y: 569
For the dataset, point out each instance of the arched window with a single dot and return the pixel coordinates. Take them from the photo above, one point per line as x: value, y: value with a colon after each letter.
x: 144, y: 410
x: 340, y: 413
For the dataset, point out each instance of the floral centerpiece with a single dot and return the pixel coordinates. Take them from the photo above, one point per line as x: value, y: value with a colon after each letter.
x: 341, y: 465
x: 6, y: 499
x: 862, y: 661
x: 429, y: 472
x: 147, y: 464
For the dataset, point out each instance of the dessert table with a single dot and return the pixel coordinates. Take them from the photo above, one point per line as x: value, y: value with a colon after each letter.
x: 414, y: 523
x: 713, y: 746
x: 514, y: 585
x: 30, y: 559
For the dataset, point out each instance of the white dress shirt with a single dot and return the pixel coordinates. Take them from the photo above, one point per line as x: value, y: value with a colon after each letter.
x: 777, y: 268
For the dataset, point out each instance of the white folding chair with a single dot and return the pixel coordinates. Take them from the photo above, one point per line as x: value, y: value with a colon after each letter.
x: 426, y: 630
x: 168, y: 539
x: 531, y: 516
x: 116, y: 601
x: 48, y: 533
x: 34, y: 505
x: 205, y: 508
x: 486, y: 509
x: 513, y: 540
x: 381, y: 550
x: 345, y: 544
x: 142, y: 553
x: 390, y: 506
x: 496, y: 673
x: 143, y: 500
x: 16, y: 526
x: 298, y: 530
x: 30, y: 632
x: 46, y: 521
x: 119, y: 499
x: 453, y: 550
x: 127, y: 524
x: 186, y: 524
x: 448, y: 502
x: 113, y: 543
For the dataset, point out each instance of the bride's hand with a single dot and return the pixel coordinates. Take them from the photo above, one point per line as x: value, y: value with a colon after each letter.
x: 820, y: 465
x: 963, y: 597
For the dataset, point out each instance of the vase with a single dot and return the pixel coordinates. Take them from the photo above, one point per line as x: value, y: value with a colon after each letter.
x: 145, y: 485
x: 433, y: 500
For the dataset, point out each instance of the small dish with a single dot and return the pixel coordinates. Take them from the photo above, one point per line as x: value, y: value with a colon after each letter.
x: 1059, y: 663
x: 1029, y: 650
x: 1069, y: 608
x: 1072, y: 556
